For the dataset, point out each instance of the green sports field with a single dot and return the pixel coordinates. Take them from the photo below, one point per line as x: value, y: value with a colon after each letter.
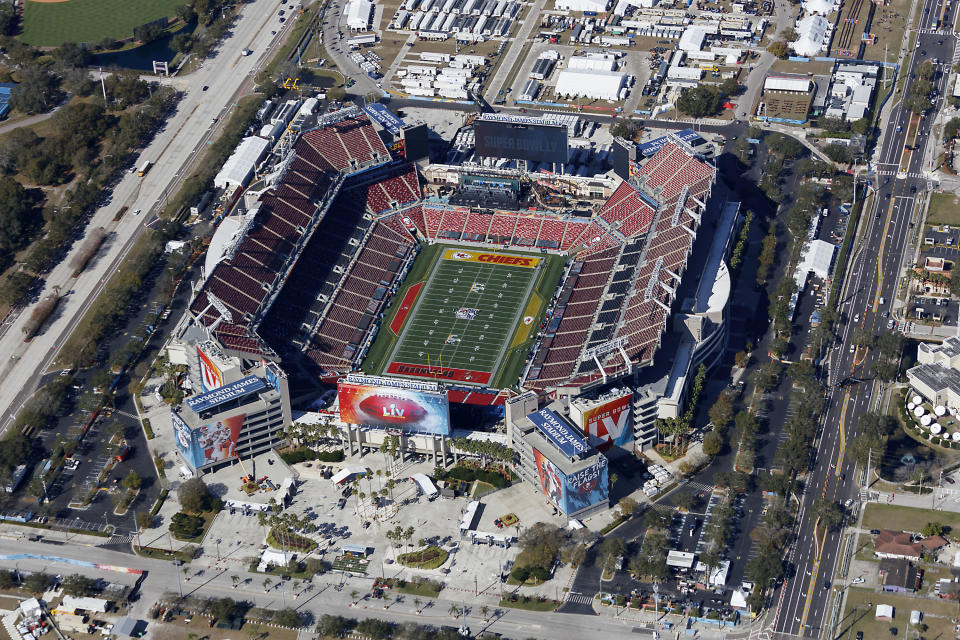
x: 50, y: 24
x: 465, y: 315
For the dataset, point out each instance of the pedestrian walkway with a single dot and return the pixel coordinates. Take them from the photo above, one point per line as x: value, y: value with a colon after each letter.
x: 579, y: 598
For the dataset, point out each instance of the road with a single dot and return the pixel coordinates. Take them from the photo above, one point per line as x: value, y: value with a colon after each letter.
x: 322, y: 598
x: 225, y: 76
x: 806, y: 599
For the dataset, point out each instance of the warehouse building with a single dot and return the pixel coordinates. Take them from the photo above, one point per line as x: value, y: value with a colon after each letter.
x: 597, y: 85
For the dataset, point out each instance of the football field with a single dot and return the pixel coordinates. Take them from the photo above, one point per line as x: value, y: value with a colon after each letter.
x: 471, y: 314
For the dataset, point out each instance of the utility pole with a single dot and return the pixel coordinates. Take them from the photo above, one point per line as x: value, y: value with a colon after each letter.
x: 103, y: 86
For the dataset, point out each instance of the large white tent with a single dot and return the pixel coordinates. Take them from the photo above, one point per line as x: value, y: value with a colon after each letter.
x: 821, y: 7
x: 814, y: 35
x: 583, y: 5
x: 600, y: 85
x: 358, y: 14
x: 239, y: 167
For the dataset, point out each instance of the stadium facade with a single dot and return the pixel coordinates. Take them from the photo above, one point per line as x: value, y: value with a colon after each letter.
x: 304, y: 274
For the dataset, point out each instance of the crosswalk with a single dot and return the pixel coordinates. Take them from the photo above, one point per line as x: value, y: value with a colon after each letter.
x: 118, y: 539
x: 699, y: 486
x: 939, y: 32
x: 579, y: 598
x: 916, y: 175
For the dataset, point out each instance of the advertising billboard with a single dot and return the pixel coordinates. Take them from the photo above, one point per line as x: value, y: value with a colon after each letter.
x: 210, y: 375
x: 234, y: 390
x: 211, y: 442
x: 394, y: 408
x: 577, y: 491
x: 610, y: 422
x: 560, y: 432
x: 521, y: 139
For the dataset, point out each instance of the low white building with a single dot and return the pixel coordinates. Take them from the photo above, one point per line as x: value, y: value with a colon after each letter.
x: 599, y: 85
x: 583, y: 5
x: 820, y: 7
x: 936, y: 376
x: 787, y: 82
x: 686, y: 77
x: 693, y: 38
x: 593, y: 62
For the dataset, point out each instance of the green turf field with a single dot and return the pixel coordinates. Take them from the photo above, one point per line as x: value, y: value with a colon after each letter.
x: 53, y: 23
x: 475, y: 319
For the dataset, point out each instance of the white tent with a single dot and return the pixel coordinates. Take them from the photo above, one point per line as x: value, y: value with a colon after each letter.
x: 358, y: 14
x: 239, y: 167
x: 593, y: 63
x: 425, y: 483
x: 583, y: 5
x: 822, y: 7
x: 346, y: 473
x: 602, y: 85
x: 814, y: 32
x: 692, y: 38
x: 817, y: 258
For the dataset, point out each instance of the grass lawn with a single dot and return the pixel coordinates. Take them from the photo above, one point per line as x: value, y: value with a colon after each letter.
x: 208, y: 517
x: 888, y: 25
x: 860, y: 615
x: 51, y: 24
x: 530, y: 604
x: 889, y: 516
x: 198, y: 627
x: 944, y: 209
x: 425, y: 589
x: 426, y: 558
x: 184, y: 556
x: 481, y: 488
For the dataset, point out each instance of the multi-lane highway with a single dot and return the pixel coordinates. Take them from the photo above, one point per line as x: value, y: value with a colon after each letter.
x: 805, y: 602
x: 210, y: 93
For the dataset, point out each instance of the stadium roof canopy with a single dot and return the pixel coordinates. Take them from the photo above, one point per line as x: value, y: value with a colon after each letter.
x: 599, y: 85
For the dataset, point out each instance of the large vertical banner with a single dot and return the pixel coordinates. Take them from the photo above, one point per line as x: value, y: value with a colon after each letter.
x: 210, y: 375
x: 186, y: 443
x: 218, y: 440
x: 551, y: 479
x: 587, y: 487
x: 610, y: 422
x: 212, y: 442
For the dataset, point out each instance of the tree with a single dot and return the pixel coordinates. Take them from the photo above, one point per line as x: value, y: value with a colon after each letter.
x: 712, y: 443
x: 333, y: 626
x: 951, y: 129
x: 628, y: 506
x: 932, y: 529
x: 788, y: 35
x: 132, y: 481
x: 891, y: 343
x: 267, y: 582
x: 730, y: 86
x: 78, y: 585
x: 36, y: 582
x: 684, y: 500
x: 70, y: 54
x: 700, y: 101
x: 721, y: 413
x: 291, y: 618
x: 829, y: 512
x: 224, y: 608
x: 8, y: 19
x: 37, y: 92
x: 784, y: 146
x: 144, y: 520
x: 839, y: 153
x: 336, y: 94
x: 780, y: 49
x: 624, y: 128
x: 193, y: 495
x: 742, y: 358
x: 185, y: 526
x: 862, y: 338
x: 611, y: 550
x: 182, y: 42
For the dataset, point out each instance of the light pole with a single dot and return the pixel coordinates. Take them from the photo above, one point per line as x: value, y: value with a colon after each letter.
x: 218, y: 549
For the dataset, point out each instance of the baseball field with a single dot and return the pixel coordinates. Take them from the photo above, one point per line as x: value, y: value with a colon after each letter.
x: 50, y: 24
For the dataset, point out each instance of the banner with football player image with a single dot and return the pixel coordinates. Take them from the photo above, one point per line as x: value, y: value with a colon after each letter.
x: 211, y: 442
x: 609, y: 422
x: 577, y: 491
x: 394, y: 408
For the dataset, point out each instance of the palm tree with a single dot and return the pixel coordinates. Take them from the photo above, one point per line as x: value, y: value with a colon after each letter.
x: 235, y: 580
x: 386, y: 600
x: 484, y: 610
x: 422, y: 543
x: 416, y: 603
x: 266, y: 584
x: 186, y: 574
x: 454, y: 611
x: 353, y: 595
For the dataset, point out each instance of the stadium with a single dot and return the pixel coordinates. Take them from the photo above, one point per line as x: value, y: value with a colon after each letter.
x: 338, y: 265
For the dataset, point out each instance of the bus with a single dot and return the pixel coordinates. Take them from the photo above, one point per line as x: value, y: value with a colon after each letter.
x: 142, y: 170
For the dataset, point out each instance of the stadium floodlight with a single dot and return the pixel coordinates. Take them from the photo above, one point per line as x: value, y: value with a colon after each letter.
x: 600, y: 350
x: 216, y: 303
